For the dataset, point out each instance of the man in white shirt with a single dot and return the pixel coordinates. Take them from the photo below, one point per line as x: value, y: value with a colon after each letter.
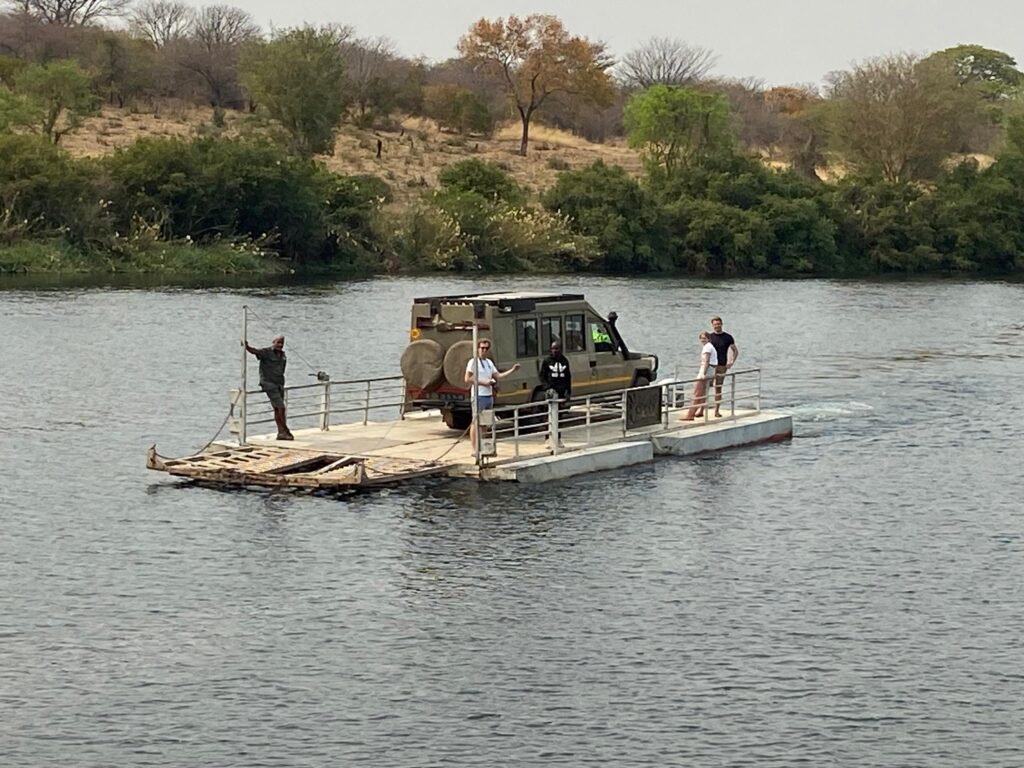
x: 482, y: 373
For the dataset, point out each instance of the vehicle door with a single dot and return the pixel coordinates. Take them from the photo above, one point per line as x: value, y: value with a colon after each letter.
x: 606, y: 364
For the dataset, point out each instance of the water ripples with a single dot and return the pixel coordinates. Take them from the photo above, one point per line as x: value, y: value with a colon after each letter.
x: 848, y: 598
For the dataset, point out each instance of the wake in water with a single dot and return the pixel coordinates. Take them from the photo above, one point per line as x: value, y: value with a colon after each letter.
x: 829, y: 410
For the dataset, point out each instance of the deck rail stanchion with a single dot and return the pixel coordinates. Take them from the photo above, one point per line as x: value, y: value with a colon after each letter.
x: 325, y: 407
x: 366, y: 404
x: 553, y: 436
x: 242, y: 415
x: 622, y: 406
x: 732, y: 395
x: 515, y: 429
x: 473, y: 395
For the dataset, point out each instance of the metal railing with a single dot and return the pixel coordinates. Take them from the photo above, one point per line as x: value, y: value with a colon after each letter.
x: 603, y: 417
x: 322, y: 404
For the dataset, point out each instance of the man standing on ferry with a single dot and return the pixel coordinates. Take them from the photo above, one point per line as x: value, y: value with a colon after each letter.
x: 725, y: 346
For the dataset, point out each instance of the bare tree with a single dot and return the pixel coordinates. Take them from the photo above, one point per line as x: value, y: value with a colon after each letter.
x: 211, y: 50
x: 219, y: 26
x: 898, y: 116
x: 161, y: 21
x: 665, y: 61
x: 70, y: 13
x: 371, y: 68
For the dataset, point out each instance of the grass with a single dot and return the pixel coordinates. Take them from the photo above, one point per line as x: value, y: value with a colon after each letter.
x: 56, y: 257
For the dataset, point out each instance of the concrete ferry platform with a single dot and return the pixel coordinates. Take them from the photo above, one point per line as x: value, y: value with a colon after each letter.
x: 599, y: 433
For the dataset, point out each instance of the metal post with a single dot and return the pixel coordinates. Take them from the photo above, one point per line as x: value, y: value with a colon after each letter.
x: 366, y: 404
x: 245, y: 365
x: 515, y: 428
x: 553, y: 436
x: 732, y: 395
x: 325, y: 407
x: 589, y: 404
x: 625, y: 394
x: 473, y: 390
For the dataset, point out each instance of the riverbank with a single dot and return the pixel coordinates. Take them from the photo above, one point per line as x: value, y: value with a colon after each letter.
x: 58, y: 260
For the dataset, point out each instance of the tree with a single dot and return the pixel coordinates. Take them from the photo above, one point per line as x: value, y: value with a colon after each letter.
x: 215, y: 36
x: 458, y: 109
x: 70, y: 13
x: 665, y: 61
x: 535, y: 57
x: 993, y: 74
x: 675, y: 125
x: 14, y: 110
x: 161, y: 22
x: 800, y: 116
x: 299, y: 78
x: 123, y: 67
x: 59, y: 96
x: 370, y: 68
x: 897, y: 117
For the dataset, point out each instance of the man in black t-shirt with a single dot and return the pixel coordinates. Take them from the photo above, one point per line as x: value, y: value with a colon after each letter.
x: 556, y: 377
x: 724, y: 344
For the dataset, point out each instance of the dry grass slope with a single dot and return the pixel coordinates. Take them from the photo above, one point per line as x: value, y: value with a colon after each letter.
x: 412, y: 156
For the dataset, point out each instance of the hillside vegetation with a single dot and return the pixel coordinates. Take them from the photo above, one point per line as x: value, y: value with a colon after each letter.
x: 190, y: 140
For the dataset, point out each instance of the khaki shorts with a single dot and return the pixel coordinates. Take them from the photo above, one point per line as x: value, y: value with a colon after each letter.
x: 275, y: 392
x: 720, y: 374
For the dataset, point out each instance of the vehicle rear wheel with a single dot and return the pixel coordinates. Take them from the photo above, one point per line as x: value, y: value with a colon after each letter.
x: 457, y: 418
x: 642, y: 380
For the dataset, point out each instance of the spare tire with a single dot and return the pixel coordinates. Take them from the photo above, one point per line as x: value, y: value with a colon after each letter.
x: 455, y: 361
x: 423, y: 363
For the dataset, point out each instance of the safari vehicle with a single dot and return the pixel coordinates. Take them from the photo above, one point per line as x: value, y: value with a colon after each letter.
x: 521, y: 327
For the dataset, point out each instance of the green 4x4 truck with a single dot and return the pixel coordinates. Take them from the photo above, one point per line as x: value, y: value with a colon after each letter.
x: 521, y: 327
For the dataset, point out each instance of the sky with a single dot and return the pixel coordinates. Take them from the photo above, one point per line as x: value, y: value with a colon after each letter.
x: 781, y: 42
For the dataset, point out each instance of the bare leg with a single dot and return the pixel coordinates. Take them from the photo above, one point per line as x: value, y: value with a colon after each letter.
x: 718, y: 395
x: 283, y: 433
x: 697, y: 409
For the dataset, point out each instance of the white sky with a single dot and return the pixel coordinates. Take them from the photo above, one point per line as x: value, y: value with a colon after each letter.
x: 778, y: 41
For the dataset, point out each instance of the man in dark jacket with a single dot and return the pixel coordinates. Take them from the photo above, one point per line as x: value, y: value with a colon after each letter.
x: 272, y: 364
x: 556, y: 377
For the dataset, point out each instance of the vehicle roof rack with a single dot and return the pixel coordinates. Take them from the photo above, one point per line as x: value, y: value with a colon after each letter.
x: 512, y: 301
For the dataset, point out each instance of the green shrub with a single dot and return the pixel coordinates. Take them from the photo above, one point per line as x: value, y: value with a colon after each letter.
x: 485, y: 179
x: 604, y: 203
x: 215, y: 188
x: 44, y: 192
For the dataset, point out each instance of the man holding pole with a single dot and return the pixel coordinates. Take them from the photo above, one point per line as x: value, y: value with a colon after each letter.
x: 272, y: 364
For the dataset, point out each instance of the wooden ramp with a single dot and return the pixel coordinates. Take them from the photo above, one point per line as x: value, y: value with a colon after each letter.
x: 274, y: 466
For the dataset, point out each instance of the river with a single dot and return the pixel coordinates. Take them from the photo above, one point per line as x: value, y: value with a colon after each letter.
x: 852, y: 597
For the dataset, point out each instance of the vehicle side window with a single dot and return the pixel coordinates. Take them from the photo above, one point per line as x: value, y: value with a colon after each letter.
x: 526, y: 338
x: 550, y: 330
x: 601, y: 337
x: 575, y: 341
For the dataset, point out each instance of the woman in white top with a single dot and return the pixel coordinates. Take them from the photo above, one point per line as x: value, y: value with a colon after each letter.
x: 483, y: 374
x: 708, y: 361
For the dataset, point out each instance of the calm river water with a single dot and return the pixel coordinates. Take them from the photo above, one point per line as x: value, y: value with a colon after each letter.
x: 853, y: 597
